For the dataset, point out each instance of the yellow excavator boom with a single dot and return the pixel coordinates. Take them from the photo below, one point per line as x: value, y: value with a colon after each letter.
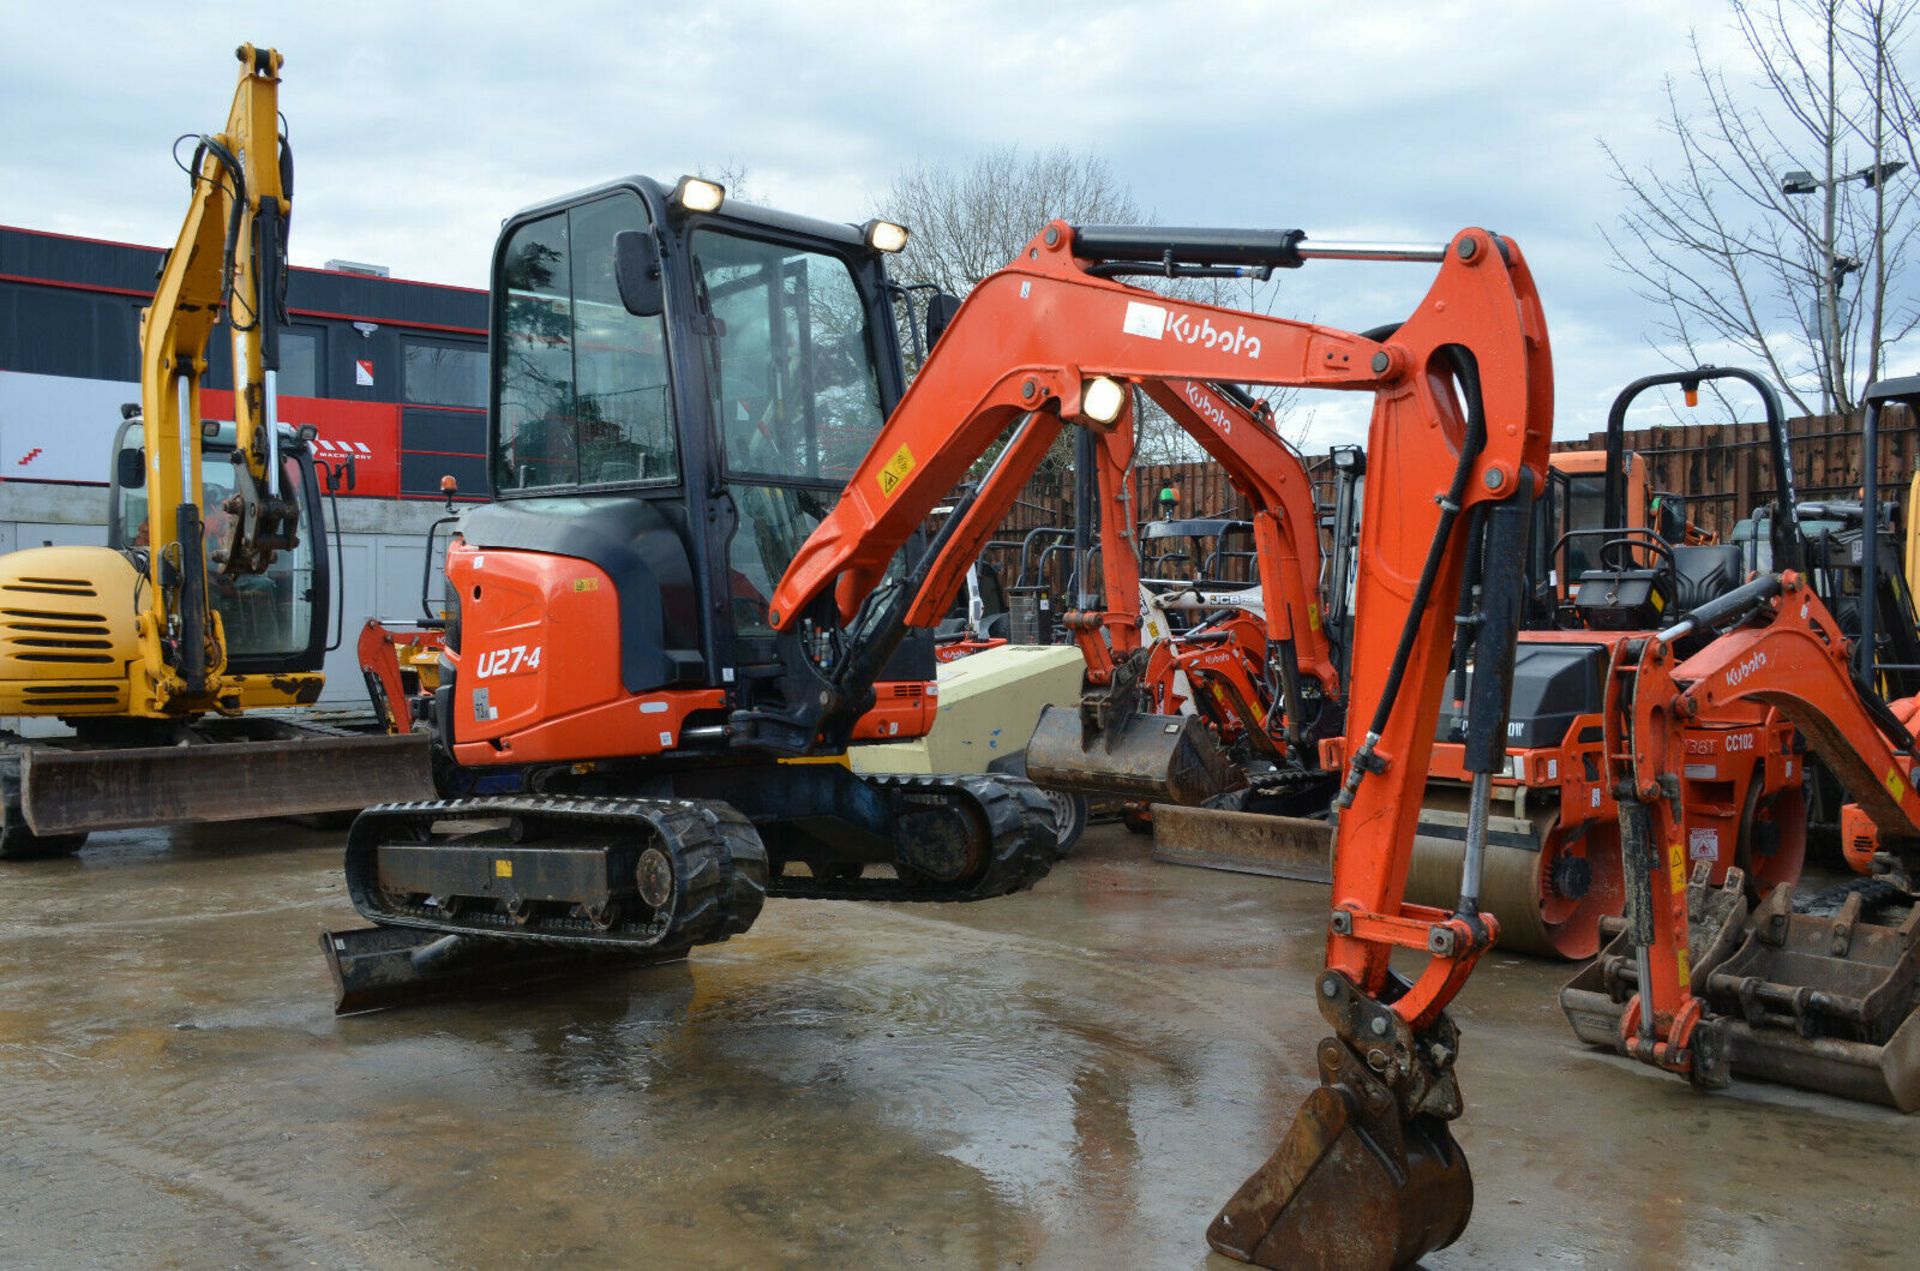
x: 230, y: 258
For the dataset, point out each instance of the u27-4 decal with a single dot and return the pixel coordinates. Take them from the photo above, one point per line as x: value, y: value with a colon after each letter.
x: 508, y: 661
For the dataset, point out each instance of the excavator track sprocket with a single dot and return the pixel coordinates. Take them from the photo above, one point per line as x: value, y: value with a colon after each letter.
x: 999, y: 832
x: 659, y: 875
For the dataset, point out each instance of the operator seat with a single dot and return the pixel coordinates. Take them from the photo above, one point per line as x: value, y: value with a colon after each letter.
x: 1705, y: 573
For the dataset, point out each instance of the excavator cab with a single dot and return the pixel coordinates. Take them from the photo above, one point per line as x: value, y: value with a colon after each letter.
x: 682, y: 385
x: 275, y: 622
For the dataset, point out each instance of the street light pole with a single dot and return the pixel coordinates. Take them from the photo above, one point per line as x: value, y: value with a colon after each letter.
x: 1800, y: 181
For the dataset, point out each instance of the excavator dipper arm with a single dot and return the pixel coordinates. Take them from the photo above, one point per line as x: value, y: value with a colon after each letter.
x: 1273, y: 478
x: 1458, y: 443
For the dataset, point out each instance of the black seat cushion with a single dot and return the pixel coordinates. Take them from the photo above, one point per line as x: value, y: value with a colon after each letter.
x: 1705, y: 573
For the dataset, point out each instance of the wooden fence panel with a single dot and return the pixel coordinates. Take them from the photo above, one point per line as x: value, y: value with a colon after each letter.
x: 1723, y: 470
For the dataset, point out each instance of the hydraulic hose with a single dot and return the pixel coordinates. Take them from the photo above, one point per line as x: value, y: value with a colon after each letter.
x: 1467, y: 372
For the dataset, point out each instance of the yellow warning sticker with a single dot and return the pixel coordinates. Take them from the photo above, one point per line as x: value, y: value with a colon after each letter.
x: 895, y: 471
x: 1677, y: 868
x: 1683, y: 963
x: 502, y: 869
x: 1895, y: 786
x: 1313, y: 617
x: 586, y: 584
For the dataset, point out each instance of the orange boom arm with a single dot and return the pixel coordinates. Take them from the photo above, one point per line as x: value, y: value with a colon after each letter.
x: 1458, y: 443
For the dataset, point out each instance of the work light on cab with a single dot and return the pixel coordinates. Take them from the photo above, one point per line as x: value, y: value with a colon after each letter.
x: 694, y: 194
x: 884, y: 236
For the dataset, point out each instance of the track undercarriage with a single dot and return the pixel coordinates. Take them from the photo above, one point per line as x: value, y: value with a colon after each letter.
x: 670, y: 862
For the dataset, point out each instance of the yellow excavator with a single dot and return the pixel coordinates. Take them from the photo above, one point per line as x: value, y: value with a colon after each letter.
x: 209, y: 604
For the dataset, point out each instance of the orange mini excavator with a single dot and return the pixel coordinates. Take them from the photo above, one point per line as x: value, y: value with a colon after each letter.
x: 1694, y: 982
x: 702, y: 560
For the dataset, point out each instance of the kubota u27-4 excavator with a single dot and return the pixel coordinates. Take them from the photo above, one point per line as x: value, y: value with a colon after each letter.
x: 681, y: 386
x: 667, y: 598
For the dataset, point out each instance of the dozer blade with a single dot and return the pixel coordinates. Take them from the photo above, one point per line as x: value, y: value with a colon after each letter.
x: 1162, y: 758
x: 67, y: 791
x: 1352, y: 1185
x: 1295, y: 847
x: 375, y: 968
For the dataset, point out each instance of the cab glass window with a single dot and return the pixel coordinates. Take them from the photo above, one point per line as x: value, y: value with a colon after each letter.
x: 266, y: 615
x: 582, y: 395
x: 790, y: 361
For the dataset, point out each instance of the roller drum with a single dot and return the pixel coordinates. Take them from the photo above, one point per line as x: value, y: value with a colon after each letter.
x: 1547, y: 885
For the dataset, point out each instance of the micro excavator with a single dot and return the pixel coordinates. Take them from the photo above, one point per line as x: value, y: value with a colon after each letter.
x: 1821, y: 991
x: 649, y: 655
x: 210, y: 603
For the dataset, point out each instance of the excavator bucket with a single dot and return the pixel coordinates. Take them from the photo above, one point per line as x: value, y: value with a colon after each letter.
x: 1161, y: 758
x: 70, y: 791
x: 1828, y: 1002
x: 1352, y: 1185
x: 1825, y: 1001
x: 1597, y: 998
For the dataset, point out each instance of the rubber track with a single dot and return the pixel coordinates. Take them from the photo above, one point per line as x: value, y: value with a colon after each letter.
x: 720, y: 869
x: 1020, y: 822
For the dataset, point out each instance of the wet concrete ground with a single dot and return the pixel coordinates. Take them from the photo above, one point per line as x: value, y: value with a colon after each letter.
x: 1074, y: 1077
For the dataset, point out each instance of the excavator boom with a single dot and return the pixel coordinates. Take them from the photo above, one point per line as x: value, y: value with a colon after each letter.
x: 229, y: 260
x: 1458, y: 442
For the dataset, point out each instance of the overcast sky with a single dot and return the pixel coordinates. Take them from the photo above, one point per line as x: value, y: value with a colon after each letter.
x: 417, y: 127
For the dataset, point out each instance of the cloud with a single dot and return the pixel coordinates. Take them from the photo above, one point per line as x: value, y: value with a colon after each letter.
x: 418, y: 127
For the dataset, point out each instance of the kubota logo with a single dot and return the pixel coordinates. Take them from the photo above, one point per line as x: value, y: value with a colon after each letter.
x: 1182, y: 327
x: 1740, y: 672
x: 1156, y: 322
x: 1210, y: 410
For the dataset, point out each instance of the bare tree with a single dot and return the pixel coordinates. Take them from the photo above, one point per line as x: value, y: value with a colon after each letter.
x: 1781, y: 227
x: 968, y: 220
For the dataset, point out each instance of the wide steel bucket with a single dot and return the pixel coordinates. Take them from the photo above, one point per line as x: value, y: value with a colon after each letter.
x: 1160, y: 758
